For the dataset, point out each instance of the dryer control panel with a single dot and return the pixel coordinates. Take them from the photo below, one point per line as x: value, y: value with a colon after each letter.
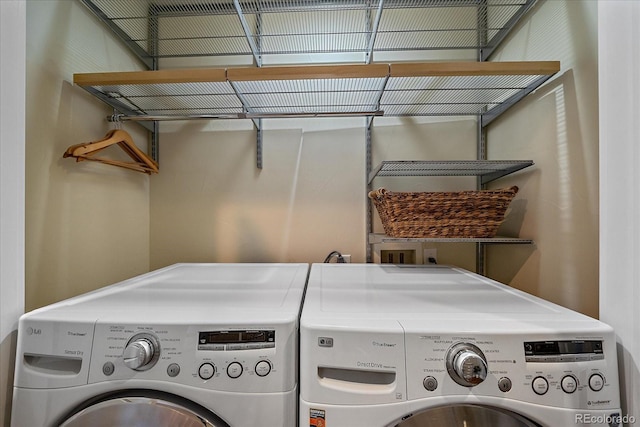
x: 232, y: 358
x: 562, y: 370
x: 238, y: 358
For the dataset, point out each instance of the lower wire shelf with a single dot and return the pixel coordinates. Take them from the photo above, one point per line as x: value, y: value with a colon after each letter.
x: 382, y: 238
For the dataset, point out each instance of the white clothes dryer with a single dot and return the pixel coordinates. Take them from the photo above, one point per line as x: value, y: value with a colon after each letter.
x: 426, y: 346
x: 187, y: 345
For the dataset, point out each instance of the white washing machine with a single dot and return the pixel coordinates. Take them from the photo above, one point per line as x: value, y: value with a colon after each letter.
x: 187, y: 345
x: 425, y: 346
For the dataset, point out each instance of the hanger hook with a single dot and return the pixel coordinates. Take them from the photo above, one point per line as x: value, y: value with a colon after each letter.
x: 115, y: 119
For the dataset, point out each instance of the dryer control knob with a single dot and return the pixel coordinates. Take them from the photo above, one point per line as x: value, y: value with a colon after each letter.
x: 466, y: 364
x: 142, y: 352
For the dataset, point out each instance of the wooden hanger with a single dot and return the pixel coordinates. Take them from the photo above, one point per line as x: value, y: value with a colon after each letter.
x: 86, y: 151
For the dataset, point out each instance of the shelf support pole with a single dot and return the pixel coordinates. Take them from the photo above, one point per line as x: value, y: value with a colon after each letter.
x: 155, y: 141
x: 258, y: 126
x: 369, y: 216
x: 257, y: 122
x: 369, y: 164
x: 482, y: 26
x: 154, y: 49
x: 480, y: 155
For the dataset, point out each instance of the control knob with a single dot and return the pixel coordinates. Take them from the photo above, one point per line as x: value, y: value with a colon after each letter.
x: 142, y: 352
x: 466, y: 364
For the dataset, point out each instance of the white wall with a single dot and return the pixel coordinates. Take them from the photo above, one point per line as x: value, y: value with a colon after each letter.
x: 211, y: 203
x: 87, y: 224
x: 12, y: 84
x: 619, y: 69
x: 557, y: 128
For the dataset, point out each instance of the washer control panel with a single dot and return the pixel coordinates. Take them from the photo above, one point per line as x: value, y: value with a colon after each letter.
x: 255, y: 359
x: 566, y: 371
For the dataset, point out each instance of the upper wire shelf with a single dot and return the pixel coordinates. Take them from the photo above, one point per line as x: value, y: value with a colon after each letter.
x: 156, y: 29
x: 406, y: 89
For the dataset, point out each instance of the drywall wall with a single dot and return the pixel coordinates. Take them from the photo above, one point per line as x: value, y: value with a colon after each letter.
x: 87, y: 224
x: 557, y: 128
x: 12, y: 84
x: 211, y: 203
x: 619, y: 67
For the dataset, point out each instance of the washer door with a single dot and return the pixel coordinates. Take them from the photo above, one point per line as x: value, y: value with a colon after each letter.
x: 142, y: 411
x: 467, y: 416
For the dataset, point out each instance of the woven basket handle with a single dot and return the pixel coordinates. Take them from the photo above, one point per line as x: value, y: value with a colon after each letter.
x: 377, y: 194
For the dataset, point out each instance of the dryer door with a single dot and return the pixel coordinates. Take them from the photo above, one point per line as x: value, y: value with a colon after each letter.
x: 124, y: 410
x: 467, y: 416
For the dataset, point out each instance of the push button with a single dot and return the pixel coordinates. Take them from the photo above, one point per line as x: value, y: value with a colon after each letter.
x: 263, y: 368
x: 596, y: 382
x: 206, y: 371
x: 569, y: 384
x: 108, y: 368
x: 234, y: 370
x: 540, y: 385
x: 504, y: 384
x: 430, y: 383
x: 173, y: 370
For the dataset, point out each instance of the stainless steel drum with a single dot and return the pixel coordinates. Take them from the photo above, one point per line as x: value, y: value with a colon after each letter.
x: 466, y: 416
x: 131, y: 410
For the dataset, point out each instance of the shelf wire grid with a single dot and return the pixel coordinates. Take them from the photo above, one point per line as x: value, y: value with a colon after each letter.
x: 279, y: 95
x: 311, y: 95
x: 175, y: 99
x: 487, y: 170
x: 183, y: 28
x: 450, y: 95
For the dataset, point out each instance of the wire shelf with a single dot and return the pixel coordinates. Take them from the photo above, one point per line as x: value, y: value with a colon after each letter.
x: 470, y: 88
x: 375, y: 238
x: 487, y: 170
x: 177, y: 28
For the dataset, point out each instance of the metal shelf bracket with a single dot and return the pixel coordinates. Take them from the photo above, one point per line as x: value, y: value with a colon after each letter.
x: 258, y: 124
x: 373, y: 33
x: 247, y: 31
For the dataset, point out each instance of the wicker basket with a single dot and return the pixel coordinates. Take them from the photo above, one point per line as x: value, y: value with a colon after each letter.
x: 471, y: 214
